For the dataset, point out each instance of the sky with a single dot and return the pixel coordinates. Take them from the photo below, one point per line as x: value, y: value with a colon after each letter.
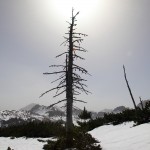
x: 31, y: 32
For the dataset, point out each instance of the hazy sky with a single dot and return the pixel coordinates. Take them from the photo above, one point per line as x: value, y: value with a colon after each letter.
x: 31, y: 32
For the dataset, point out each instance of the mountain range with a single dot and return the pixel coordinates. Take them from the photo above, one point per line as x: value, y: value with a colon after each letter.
x: 34, y: 112
x: 38, y: 112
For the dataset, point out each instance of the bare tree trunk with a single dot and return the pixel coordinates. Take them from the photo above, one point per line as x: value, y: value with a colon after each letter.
x: 129, y: 89
x: 69, y: 91
x: 141, y: 103
x: 70, y: 82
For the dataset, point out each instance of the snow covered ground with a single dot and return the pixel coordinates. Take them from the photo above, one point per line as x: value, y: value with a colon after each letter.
x: 21, y: 143
x: 119, y: 137
x: 123, y: 137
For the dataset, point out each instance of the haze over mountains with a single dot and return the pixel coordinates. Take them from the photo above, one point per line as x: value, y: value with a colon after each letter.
x: 38, y: 112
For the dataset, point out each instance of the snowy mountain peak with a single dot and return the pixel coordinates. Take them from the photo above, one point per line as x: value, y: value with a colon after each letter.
x: 28, y: 107
x: 40, y: 112
x: 9, y: 114
x: 107, y: 110
x: 119, y: 109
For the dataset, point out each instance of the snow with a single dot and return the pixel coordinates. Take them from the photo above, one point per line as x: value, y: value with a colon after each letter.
x: 21, y: 143
x: 28, y: 107
x: 119, y: 137
x: 8, y: 114
x: 123, y: 137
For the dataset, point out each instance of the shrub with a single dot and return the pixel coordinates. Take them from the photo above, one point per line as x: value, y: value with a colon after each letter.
x: 143, y: 115
x: 126, y: 115
x: 33, y: 129
x: 82, y: 141
x: 85, y: 114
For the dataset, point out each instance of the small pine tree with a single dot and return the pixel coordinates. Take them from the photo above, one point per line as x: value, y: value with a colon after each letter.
x: 147, y: 106
x: 144, y: 114
x: 85, y: 114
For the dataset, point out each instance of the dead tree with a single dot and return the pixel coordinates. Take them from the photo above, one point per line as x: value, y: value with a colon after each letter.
x: 142, y: 107
x: 70, y: 80
x: 129, y: 88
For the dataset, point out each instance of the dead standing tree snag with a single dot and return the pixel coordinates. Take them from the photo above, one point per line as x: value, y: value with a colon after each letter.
x: 129, y: 89
x: 142, y: 107
x: 70, y: 81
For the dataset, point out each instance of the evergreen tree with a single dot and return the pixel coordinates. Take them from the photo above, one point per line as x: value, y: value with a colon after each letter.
x: 85, y: 114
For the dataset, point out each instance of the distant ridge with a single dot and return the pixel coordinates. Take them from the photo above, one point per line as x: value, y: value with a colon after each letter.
x: 38, y: 112
x: 107, y: 110
x: 28, y: 107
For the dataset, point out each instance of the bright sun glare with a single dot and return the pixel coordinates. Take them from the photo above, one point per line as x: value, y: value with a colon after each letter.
x: 64, y: 7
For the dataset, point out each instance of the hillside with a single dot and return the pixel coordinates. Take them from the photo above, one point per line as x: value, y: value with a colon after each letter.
x: 119, y: 137
x: 123, y: 136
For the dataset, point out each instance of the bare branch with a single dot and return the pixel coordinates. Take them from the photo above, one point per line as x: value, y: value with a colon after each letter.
x: 59, y: 94
x: 78, y: 34
x: 78, y: 79
x: 78, y: 40
x: 82, y: 89
x: 62, y: 74
x: 76, y: 75
x: 76, y: 15
x: 77, y: 37
x: 75, y: 92
x: 76, y: 56
x: 61, y: 54
x: 77, y: 49
x: 46, y: 73
x: 80, y: 69
x: 64, y: 42
x: 68, y: 22
x: 58, y: 79
x: 56, y: 66
x: 79, y: 83
x: 61, y: 83
x: 57, y: 103
x: 58, y: 87
x: 66, y: 38
x: 76, y: 66
x: 79, y: 101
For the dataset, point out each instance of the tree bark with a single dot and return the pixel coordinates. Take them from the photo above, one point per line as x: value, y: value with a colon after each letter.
x: 129, y: 89
x: 69, y: 91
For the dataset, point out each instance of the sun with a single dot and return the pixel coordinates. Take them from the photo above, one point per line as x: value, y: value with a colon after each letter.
x: 64, y: 7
